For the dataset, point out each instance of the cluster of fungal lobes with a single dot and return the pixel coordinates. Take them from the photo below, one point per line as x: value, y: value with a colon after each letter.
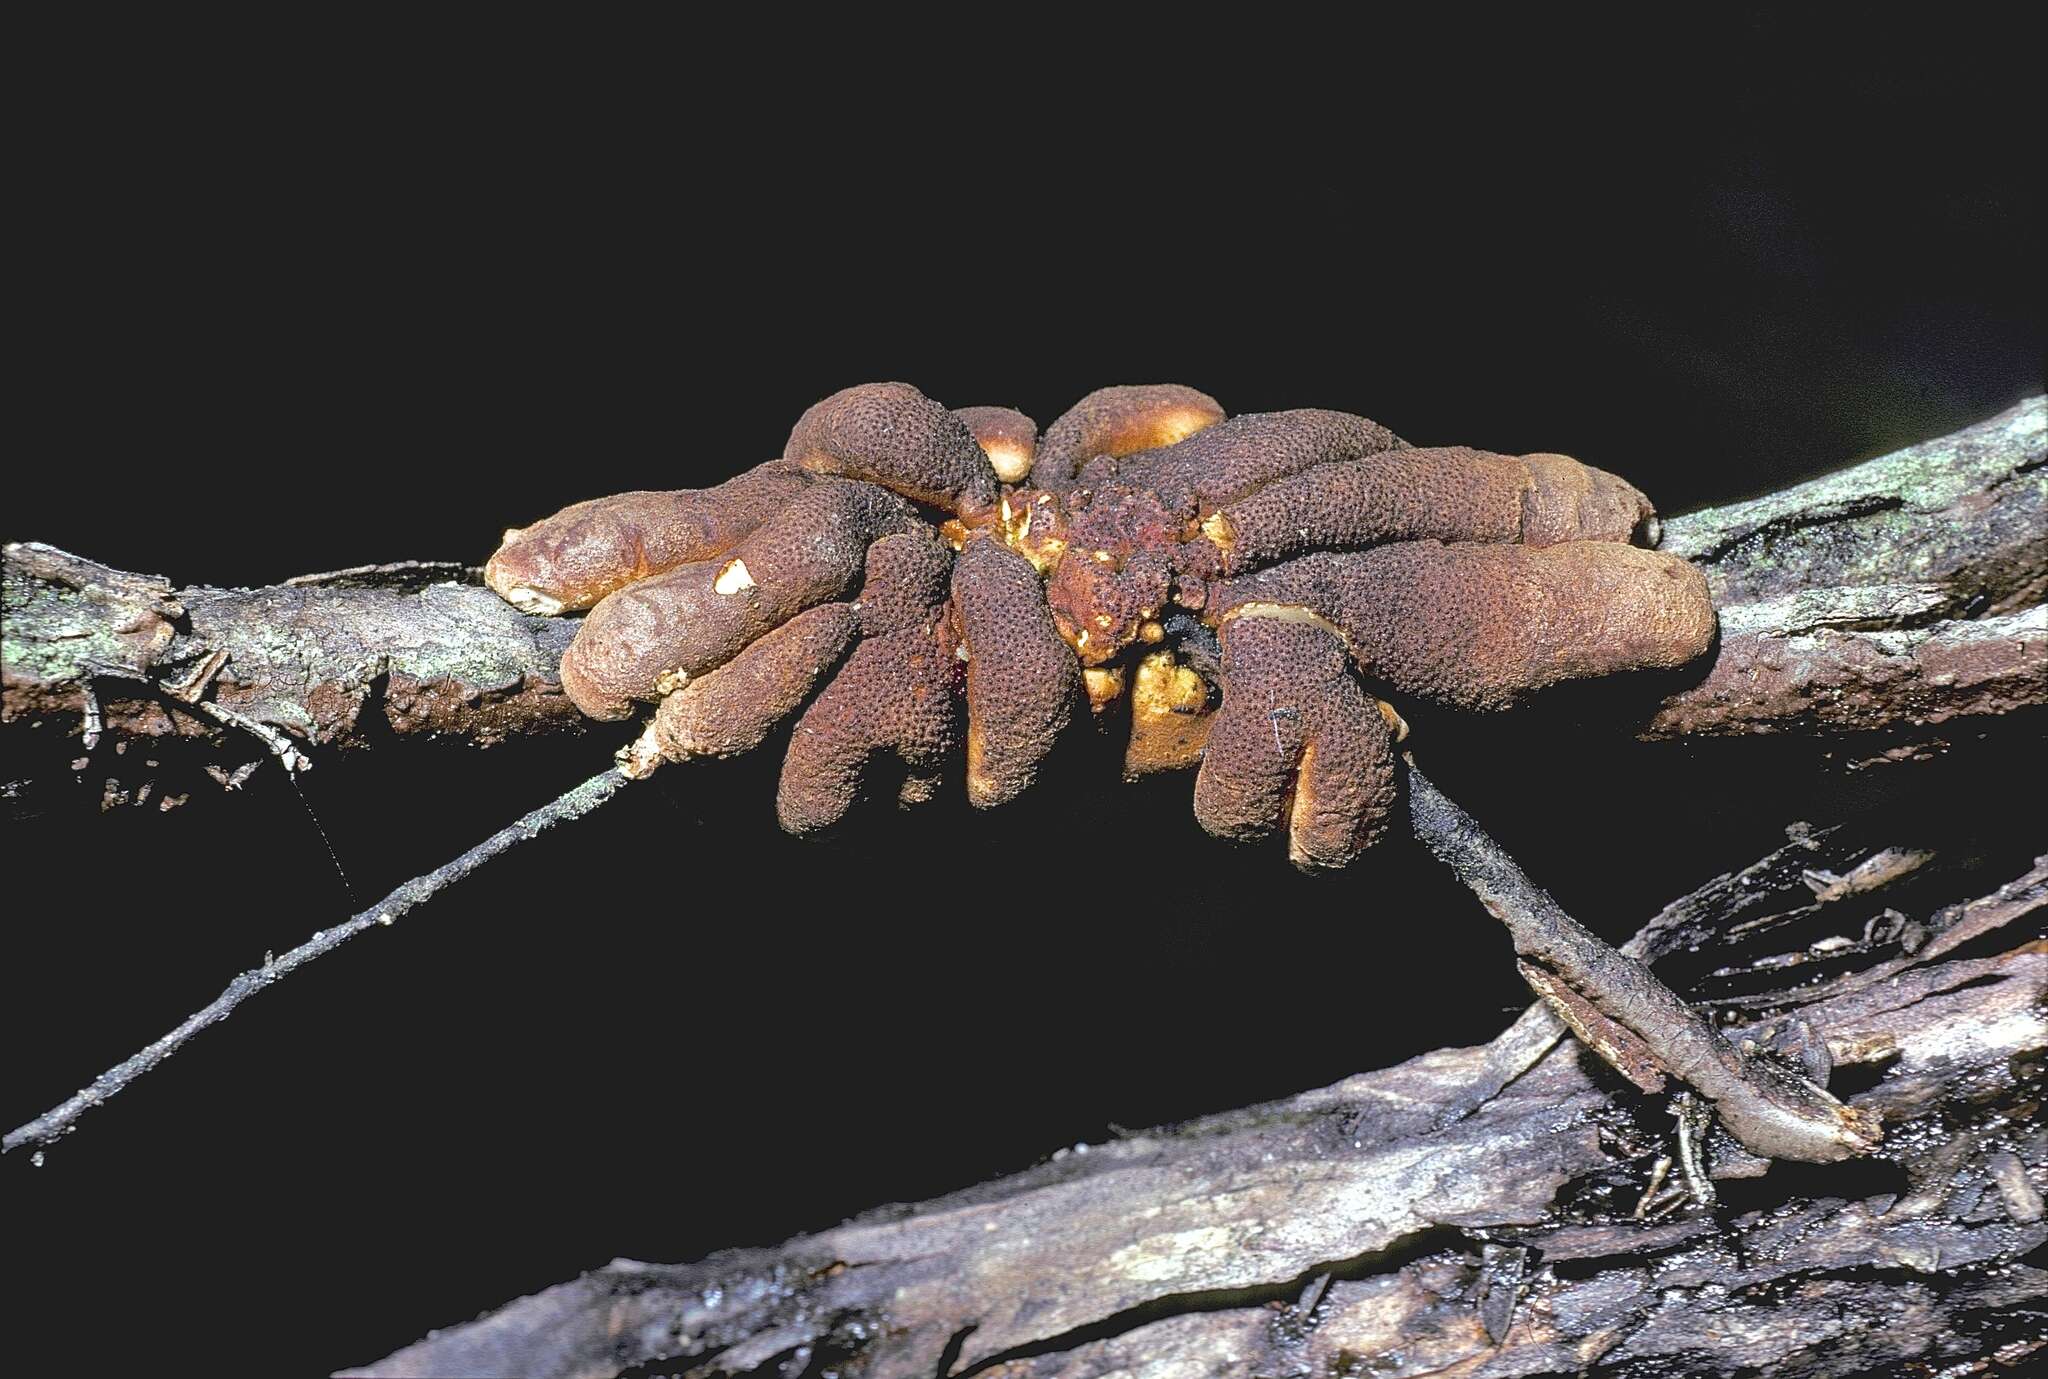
x: 1247, y: 587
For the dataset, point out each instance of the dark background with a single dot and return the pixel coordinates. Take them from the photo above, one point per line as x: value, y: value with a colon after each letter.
x: 377, y: 298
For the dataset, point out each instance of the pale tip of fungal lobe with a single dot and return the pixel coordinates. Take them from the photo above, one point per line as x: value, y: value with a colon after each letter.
x: 1010, y: 462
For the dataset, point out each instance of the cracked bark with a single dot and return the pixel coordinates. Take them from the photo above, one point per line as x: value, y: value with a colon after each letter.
x: 1899, y: 594
x: 1348, y: 1230
x: 379, y: 655
x: 1876, y: 608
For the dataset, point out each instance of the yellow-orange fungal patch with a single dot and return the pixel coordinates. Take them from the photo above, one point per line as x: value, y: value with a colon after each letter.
x: 1104, y: 684
x: 1216, y: 528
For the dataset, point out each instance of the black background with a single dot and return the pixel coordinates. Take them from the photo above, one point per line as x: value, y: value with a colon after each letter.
x: 377, y: 297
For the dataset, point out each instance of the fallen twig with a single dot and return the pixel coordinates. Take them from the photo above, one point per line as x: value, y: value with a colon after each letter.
x: 1619, y: 1008
x: 62, y: 1119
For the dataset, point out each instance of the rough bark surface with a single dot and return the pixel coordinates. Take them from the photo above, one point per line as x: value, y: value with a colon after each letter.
x: 1351, y: 1231
x: 105, y: 672
x: 1897, y: 594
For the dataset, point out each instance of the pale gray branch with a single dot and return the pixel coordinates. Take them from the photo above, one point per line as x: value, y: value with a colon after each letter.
x: 62, y: 1119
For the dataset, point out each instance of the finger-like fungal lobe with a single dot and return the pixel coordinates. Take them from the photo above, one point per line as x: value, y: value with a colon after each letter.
x: 893, y: 435
x: 1120, y: 421
x: 1481, y: 626
x: 1006, y: 436
x: 1022, y: 680
x: 1295, y: 742
x: 1234, y: 458
x: 567, y: 562
x: 1451, y: 494
x: 731, y: 710
x: 894, y: 698
x: 1248, y: 591
x: 650, y: 638
x: 895, y: 695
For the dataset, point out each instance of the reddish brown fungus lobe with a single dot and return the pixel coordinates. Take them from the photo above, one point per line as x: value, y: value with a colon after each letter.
x: 893, y: 435
x: 1481, y: 626
x: 731, y: 710
x: 1449, y: 494
x: 893, y: 698
x: 1022, y: 681
x: 1227, y: 461
x: 567, y: 562
x: 1120, y: 421
x: 1295, y: 741
x: 651, y: 637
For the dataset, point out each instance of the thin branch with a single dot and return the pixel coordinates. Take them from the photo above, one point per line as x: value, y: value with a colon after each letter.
x: 1692, y: 920
x: 62, y: 1119
x: 1619, y: 1008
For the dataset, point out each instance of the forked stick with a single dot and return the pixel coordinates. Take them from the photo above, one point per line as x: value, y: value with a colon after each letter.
x: 1619, y: 1008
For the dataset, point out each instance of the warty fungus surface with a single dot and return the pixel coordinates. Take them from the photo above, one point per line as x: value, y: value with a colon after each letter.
x: 1251, y: 589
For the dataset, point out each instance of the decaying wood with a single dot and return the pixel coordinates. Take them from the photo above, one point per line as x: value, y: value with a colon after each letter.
x: 386, y: 653
x: 1351, y: 1231
x: 1902, y: 593
x: 1617, y: 1006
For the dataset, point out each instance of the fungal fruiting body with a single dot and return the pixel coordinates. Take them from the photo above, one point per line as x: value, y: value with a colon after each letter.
x: 1249, y: 586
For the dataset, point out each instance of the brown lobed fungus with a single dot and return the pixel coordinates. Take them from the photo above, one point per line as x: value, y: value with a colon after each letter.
x: 1120, y: 421
x: 1253, y: 589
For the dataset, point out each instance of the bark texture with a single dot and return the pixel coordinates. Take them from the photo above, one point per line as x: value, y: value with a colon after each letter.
x: 1351, y: 1231
x: 105, y: 672
x: 1900, y: 593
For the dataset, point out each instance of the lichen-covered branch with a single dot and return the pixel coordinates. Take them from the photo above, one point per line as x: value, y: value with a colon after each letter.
x: 1962, y: 512
x: 396, y: 652
x: 1900, y: 593
x: 317, y: 658
x: 1813, y: 663
x: 1349, y: 1230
